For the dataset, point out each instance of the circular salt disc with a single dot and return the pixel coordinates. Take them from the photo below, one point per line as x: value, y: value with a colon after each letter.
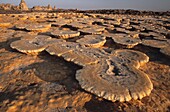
x: 27, y: 47
x: 77, y: 25
x: 38, y: 27
x: 21, y: 26
x: 92, y: 41
x: 65, y: 34
x: 115, y: 79
x: 93, y: 29
x: 154, y: 43
x: 125, y: 40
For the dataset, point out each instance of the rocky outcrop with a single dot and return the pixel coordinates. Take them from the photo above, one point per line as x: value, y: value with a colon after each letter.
x: 42, y: 8
x: 23, y: 5
x: 7, y: 6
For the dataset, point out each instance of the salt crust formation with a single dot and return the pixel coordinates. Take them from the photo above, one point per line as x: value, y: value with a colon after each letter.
x: 65, y: 34
x: 72, y: 52
x: 155, y: 43
x: 124, y: 39
x: 33, y: 27
x: 77, y: 25
x: 92, y: 29
x: 117, y: 78
x: 33, y: 44
x: 94, y: 41
x: 114, y: 75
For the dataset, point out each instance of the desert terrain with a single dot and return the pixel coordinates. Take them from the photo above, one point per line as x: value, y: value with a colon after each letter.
x: 84, y: 62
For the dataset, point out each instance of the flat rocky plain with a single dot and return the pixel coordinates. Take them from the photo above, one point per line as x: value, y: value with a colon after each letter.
x: 83, y: 62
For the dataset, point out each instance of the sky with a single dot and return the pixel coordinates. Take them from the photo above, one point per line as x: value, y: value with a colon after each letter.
x: 153, y: 5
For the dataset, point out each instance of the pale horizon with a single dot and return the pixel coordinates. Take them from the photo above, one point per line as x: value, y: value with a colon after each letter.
x: 151, y: 5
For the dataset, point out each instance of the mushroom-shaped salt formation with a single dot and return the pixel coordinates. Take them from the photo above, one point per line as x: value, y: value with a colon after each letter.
x: 60, y: 22
x: 121, y: 30
x: 38, y: 27
x: 51, y: 41
x: 97, y: 53
x: 27, y: 47
x: 166, y: 50
x: 125, y: 40
x: 117, y: 78
x: 88, y: 21
x: 32, y: 45
x: 65, y: 34
x: 136, y: 58
x: 71, y: 52
x: 77, y: 25
x: 93, y: 30
x: 92, y: 41
x: 20, y: 26
x: 157, y: 36
x: 155, y: 43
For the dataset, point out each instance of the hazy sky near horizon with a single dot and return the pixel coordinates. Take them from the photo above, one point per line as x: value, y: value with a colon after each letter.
x: 155, y: 5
